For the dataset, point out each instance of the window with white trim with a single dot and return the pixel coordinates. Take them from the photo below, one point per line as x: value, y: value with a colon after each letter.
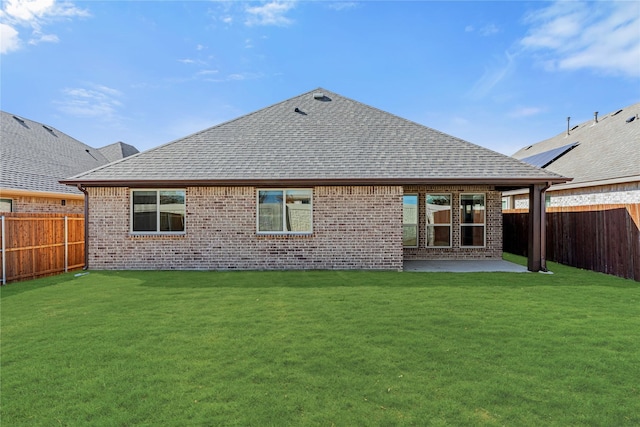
x: 438, y: 216
x: 6, y: 205
x: 284, y: 211
x: 472, y: 220
x: 410, y: 221
x: 158, y: 211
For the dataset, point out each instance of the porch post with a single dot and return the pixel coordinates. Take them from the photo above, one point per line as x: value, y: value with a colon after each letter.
x: 4, y: 253
x: 537, y: 245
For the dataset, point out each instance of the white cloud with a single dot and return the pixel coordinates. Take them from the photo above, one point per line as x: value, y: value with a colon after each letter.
x: 27, y: 10
x: 37, y: 37
x: 272, y: 13
x: 235, y: 77
x: 9, y: 39
x: 243, y: 76
x: 489, y: 30
x: 521, y: 112
x: 206, y: 72
x: 603, y: 36
x: 34, y: 15
x: 95, y: 100
x: 503, y: 67
x: 343, y: 5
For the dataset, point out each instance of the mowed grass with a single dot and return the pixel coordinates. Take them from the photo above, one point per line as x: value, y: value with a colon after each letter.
x: 321, y: 348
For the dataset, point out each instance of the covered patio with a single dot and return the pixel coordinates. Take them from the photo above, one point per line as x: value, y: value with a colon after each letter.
x: 464, y: 266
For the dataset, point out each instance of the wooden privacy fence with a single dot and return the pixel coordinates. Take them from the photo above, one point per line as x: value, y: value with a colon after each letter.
x: 39, y: 244
x: 604, y: 238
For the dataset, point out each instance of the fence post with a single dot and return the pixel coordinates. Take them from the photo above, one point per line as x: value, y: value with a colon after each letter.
x: 4, y: 255
x: 66, y: 243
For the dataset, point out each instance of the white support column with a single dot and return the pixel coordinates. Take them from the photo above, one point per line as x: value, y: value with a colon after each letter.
x: 66, y: 244
x: 4, y: 254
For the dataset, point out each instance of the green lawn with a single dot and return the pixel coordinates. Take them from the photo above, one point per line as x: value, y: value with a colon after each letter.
x: 321, y: 348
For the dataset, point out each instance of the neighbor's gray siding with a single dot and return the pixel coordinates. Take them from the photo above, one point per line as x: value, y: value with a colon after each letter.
x: 627, y: 193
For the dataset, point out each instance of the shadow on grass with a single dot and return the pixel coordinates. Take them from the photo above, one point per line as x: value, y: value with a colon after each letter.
x: 16, y: 288
x: 175, y: 279
x: 327, y: 279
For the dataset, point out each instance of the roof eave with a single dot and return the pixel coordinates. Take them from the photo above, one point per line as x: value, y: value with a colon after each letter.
x: 512, y: 183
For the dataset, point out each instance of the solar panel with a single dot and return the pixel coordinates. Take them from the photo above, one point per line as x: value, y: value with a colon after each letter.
x: 544, y: 159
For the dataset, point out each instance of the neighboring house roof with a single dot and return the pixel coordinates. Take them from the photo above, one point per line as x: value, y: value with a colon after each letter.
x: 34, y: 156
x: 117, y: 151
x: 593, y: 152
x: 316, y: 138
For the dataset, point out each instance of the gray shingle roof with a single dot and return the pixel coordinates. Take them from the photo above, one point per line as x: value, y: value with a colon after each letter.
x: 307, y: 138
x: 608, y: 149
x: 34, y: 156
x: 117, y: 151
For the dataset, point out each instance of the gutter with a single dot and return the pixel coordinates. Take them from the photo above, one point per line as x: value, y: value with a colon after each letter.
x: 9, y: 192
x: 168, y: 183
x: 86, y: 226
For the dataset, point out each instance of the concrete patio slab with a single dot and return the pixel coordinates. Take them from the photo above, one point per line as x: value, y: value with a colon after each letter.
x: 464, y: 266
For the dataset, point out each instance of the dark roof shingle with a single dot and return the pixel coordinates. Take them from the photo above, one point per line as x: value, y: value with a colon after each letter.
x: 35, y: 156
x: 309, y: 138
x: 608, y: 149
x: 117, y: 151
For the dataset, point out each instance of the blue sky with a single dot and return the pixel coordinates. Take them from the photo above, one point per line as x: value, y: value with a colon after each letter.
x: 499, y: 74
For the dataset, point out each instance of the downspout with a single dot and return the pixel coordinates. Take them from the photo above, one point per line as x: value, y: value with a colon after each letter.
x: 543, y: 228
x: 86, y: 226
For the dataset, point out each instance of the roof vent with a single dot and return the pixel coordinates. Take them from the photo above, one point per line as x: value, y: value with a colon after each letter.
x: 89, y: 153
x: 318, y: 95
x: 630, y: 119
x: 21, y: 121
x: 50, y: 130
x: 617, y: 112
x: 595, y: 117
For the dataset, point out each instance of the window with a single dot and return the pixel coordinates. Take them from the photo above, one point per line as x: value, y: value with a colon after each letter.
x: 438, y: 214
x: 506, y: 202
x: 410, y: 221
x: 158, y: 211
x: 472, y: 220
x: 6, y: 205
x: 284, y: 211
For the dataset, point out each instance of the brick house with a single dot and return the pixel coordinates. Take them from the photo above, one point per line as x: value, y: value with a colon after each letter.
x: 318, y: 181
x: 601, y: 155
x: 34, y: 157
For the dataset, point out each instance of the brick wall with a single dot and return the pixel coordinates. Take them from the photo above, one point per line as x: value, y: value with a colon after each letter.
x: 493, y: 200
x: 28, y: 204
x: 353, y: 228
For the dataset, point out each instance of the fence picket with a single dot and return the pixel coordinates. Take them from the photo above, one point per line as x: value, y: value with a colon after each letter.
x: 35, y: 245
x: 604, y: 238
